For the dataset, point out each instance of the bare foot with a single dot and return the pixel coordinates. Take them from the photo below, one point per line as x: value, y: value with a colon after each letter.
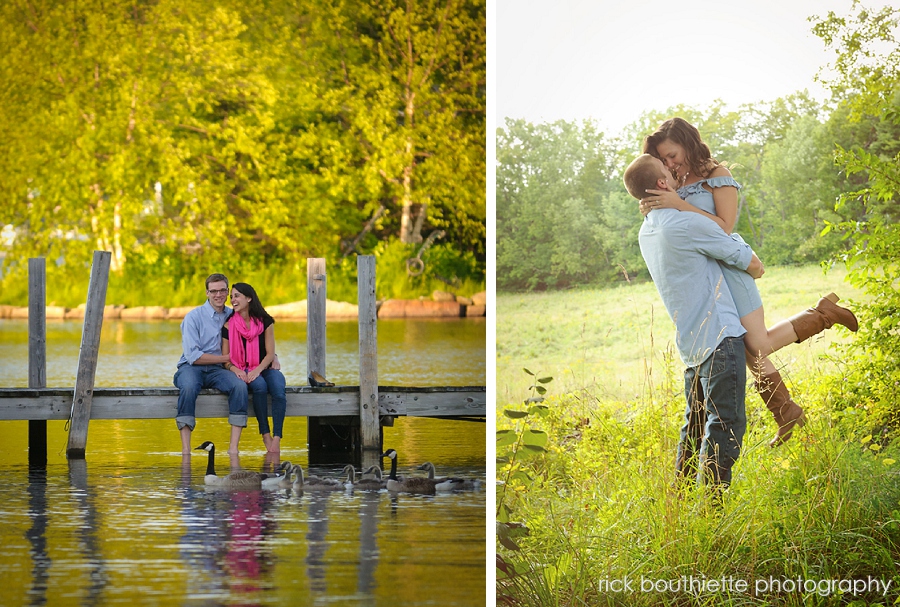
x: 274, y: 445
x: 272, y: 462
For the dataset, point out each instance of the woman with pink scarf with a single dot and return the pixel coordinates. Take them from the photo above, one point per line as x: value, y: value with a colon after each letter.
x: 248, y: 338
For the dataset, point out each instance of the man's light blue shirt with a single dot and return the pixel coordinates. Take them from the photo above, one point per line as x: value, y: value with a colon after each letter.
x: 201, y: 333
x: 681, y: 250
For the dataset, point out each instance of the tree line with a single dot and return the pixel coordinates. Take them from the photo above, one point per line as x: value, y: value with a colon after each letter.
x: 186, y: 134
x: 564, y: 218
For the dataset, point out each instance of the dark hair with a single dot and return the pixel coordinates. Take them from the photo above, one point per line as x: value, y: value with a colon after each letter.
x: 216, y: 278
x: 682, y: 132
x: 255, y: 309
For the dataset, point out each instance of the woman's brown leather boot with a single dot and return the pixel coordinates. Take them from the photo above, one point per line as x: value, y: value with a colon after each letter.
x: 778, y: 400
x: 826, y: 314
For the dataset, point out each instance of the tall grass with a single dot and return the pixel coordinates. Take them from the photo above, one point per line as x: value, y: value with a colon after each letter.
x: 798, y: 525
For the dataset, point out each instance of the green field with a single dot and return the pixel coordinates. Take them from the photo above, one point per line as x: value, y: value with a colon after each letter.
x: 589, y: 516
x: 610, y: 342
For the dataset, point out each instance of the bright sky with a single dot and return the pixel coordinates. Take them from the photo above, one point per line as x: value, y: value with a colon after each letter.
x: 611, y: 60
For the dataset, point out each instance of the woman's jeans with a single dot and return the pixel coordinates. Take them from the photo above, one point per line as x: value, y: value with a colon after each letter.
x: 715, y: 417
x: 270, y: 382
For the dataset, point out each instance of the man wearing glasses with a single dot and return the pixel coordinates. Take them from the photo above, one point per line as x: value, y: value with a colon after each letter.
x: 201, y: 367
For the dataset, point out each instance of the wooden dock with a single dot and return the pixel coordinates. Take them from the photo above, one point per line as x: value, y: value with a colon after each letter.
x: 49, y: 404
x: 357, y: 414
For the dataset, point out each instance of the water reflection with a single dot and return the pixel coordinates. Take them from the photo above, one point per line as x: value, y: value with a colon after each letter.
x: 316, y: 542
x: 117, y: 535
x: 246, y: 562
x: 93, y: 556
x: 368, y: 546
x: 37, y: 535
x: 411, y: 352
x: 204, y: 534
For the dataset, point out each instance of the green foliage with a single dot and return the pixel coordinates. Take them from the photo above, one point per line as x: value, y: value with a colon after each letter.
x: 180, y: 135
x: 550, y: 183
x: 866, y: 64
x: 519, y: 450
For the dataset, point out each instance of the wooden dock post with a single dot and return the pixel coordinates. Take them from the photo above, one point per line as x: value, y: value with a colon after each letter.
x: 324, y: 441
x: 315, y: 355
x: 87, y: 358
x: 370, y: 428
x: 316, y: 292
x: 37, y: 355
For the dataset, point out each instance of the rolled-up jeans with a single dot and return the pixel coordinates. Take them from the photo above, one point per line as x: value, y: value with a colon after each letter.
x: 270, y: 381
x: 715, y: 419
x: 190, y: 379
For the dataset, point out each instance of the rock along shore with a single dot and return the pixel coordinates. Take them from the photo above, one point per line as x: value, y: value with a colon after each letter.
x: 441, y: 305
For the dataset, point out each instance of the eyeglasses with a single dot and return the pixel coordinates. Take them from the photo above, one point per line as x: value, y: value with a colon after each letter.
x: 217, y: 291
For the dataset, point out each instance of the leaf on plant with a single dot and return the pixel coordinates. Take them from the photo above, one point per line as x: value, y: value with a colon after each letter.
x: 888, y: 461
x: 532, y: 450
x: 505, y: 437
x: 545, y: 380
x: 503, y: 537
x: 866, y: 439
x: 521, y: 475
x: 503, y: 514
x: 540, y: 390
x: 875, y: 447
x: 507, y: 569
x: 539, y: 409
x: 527, y: 371
x: 512, y: 414
x: 535, y: 438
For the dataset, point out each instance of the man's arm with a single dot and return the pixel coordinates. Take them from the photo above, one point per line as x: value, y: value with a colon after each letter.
x: 755, y: 269
x: 709, y: 239
x: 190, y: 343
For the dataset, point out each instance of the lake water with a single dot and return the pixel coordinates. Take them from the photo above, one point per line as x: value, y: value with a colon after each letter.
x: 134, y: 524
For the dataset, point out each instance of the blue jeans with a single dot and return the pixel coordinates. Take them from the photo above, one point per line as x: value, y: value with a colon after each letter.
x: 715, y: 418
x: 270, y: 381
x: 190, y: 379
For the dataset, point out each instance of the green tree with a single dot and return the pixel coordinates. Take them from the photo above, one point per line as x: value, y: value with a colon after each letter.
x: 183, y: 135
x: 867, y: 80
x: 407, y: 82
x: 550, y: 182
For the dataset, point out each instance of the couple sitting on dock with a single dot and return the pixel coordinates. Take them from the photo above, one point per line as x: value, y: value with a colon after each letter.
x: 231, y: 350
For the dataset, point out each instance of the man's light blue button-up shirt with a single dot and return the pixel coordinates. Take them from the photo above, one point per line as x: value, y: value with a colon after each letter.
x: 681, y: 250
x: 201, y: 332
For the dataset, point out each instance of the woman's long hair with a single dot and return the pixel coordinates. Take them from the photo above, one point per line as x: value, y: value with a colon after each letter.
x: 255, y: 309
x: 682, y: 132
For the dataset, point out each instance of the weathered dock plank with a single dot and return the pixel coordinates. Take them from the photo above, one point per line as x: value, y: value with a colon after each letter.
x: 302, y: 401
